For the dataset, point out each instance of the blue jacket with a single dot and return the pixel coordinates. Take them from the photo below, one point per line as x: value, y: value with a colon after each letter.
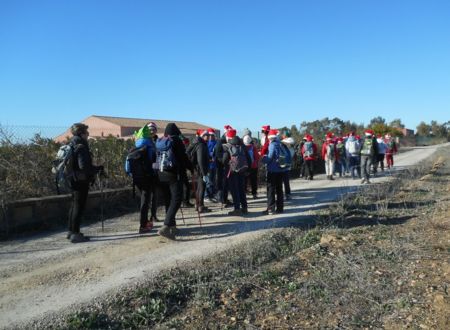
x: 151, y: 152
x: 212, y: 158
x: 271, y: 159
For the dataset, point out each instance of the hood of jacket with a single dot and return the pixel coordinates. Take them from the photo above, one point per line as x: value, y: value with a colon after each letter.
x: 78, y: 140
x: 172, y: 129
x: 235, y: 141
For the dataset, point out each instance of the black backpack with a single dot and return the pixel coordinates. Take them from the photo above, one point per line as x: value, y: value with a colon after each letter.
x: 138, y: 165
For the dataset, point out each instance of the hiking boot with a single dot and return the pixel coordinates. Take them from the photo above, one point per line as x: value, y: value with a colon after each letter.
x: 166, y: 232
x: 331, y: 177
x: 153, y: 218
x: 288, y: 197
x: 78, y: 238
x: 237, y: 213
x: 244, y: 211
x: 211, y: 199
x: 69, y: 233
x: 188, y: 204
x: 268, y: 212
x: 368, y: 181
x: 255, y: 196
x: 173, y: 230
x: 279, y: 211
x: 147, y: 228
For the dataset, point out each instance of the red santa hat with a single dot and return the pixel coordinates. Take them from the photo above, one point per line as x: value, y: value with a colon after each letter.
x: 265, y: 128
x: 358, y: 137
x: 227, y: 128
x: 272, y: 133
x: 329, y: 136
x: 340, y: 139
x: 309, y: 138
x: 211, y: 131
x: 368, y: 132
x: 231, y: 133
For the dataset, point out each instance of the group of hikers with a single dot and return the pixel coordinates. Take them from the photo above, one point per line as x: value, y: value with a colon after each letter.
x: 219, y: 166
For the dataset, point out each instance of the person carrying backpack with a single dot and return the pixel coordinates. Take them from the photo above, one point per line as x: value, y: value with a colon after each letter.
x: 84, y: 174
x: 264, y: 140
x: 274, y: 175
x: 252, y: 178
x: 369, y: 153
x: 139, y: 165
x: 200, y: 160
x: 171, y: 163
x: 309, y: 153
x: 352, y: 150
x: 211, y: 187
x: 339, y: 165
x: 329, y: 155
x: 379, y: 161
x: 287, y: 152
x: 391, y: 149
x: 237, y: 162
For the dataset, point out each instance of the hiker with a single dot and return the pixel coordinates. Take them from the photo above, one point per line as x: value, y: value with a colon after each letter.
x: 264, y: 140
x: 212, y: 166
x: 391, y: 149
x: 309, y: 153
x: 369, y: 153
x: 381, y: 152
x: 171, y: 162
x: 154, y: 197
x: 352, y: 149
x: 301, y: 161
x: 274, y: 175
x: 287, y: 144
x: 339, y: 165
x: 84, y: 175
x: 237, y: 161
x: 139, y: 165
x: 252, y: 178
x: 200, y: 160
x: 186, y: 186
x: 329, y: 155
x: 222, y: 168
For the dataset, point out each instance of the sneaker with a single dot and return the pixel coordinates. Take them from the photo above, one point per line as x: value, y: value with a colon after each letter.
x: 147, y: 228
x: 237, y: 212
x: 211, y: 199
x: 268, y: 212
x: 166, y: 232
x: 78, y: 238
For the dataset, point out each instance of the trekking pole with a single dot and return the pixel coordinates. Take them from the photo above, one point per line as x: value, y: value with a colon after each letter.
x: 182, y: 216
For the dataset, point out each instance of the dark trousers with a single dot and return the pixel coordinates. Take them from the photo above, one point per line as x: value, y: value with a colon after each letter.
x: 287, y: 185
x: 355, y: 168
x: 225, y: 187
x: 275, y: 187
x: 379, y: 162
x: 186, y: 190
x: 252, y: 179
x: 211, y: 187
x: 219, y: 182
x: 200, y: 192
x: 79, y: 197
x: 172, y: 192
x: 366, y: 164
x: 147, y: 191
x: 309, y: 168
x: 236, y: 183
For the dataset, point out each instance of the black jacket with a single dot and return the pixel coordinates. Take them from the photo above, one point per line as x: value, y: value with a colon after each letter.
x: 236, y: 141
x: 200, y: 156
x: 181, y: 160
x: 82, y: 161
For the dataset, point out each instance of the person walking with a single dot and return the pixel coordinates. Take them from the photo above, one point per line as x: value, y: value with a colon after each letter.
x: 352, y: 150
x: 309, y: 153
x: 84, y: 175
x: 339, y: 165
x: 329, y: 155
x: 153, y: 191
x: 391, y: 150
x: 369, y: 153
x: 171, y: 172
x: 200, y: 160
x: 379, y: 161
x: 252, y: 178
x: 287, y: 144
x: 211, y: 187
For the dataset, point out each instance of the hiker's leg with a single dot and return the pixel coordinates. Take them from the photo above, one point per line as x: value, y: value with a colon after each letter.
x: 271, y: 188
x: 241, y: 190
x: 234, y: 189
x: 254, y: 180
x: 79, y: 204
x: 279, y: 191
x: 176, y: 196
x: 286, y: 183
x: 144, y: 190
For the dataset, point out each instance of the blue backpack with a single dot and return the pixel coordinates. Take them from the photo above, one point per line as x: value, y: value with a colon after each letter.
x: 285, y: 159
x: 165, y: 157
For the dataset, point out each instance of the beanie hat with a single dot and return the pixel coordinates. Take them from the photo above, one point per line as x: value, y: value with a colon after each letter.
x: 246, y: 131
x: 272, y: 134
x: 143, y: 133
x: 152, y: 126
x: 78, y: 128
x: 265, y: 128
x: 231, y: 133
x: 247, y: 140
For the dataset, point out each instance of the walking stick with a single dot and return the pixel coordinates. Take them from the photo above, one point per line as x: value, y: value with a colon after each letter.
x: 182, y: 216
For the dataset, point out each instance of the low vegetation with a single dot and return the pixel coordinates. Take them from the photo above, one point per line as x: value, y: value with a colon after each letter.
x: 375, y: 259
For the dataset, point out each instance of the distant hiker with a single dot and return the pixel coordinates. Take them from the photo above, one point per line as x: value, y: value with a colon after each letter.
x: 339, y: 165
x: 287, y: 151
x: 353, y: 149
x: 274, y: 175
x: 252, y: 178
x: 84, y: 174
x: 211, y: 187
x: 154, y: 194
x: 329, y: 155
x: 200, y: 160
x: 237, y: 162
x: 246, y: 132
x: 139, y: 165
x: 369, y: 153
x: 186, y: 186
x: 222, y: 174
x: 309, y: 153
x: 171, y: 164
x: 391, y: 149
x: 301, y: 161
x: 264, y: 140
x: 381, y: 152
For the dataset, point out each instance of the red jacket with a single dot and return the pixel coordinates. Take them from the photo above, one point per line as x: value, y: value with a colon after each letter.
x: 390, y: 149
x: 324, y: 150
x: 255, y: 155
x: 314, y: 155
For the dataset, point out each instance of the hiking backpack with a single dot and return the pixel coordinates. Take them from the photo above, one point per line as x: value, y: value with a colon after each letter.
x: 238, y: 159
x: 284, y: 159
x: 330, y: 151
x: 309, y: 150
x: 353, y: 147
x: 367, y: 147
x: 165, y: 157
x: 63, y: 168
x: 138, y: 164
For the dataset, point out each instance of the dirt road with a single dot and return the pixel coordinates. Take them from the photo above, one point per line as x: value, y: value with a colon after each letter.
x: 46, y: 274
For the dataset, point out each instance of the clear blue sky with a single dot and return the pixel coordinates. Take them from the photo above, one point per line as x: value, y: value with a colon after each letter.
x: 244, y: 63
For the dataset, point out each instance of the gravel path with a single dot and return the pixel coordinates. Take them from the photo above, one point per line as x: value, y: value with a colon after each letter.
x: 45, y: 274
